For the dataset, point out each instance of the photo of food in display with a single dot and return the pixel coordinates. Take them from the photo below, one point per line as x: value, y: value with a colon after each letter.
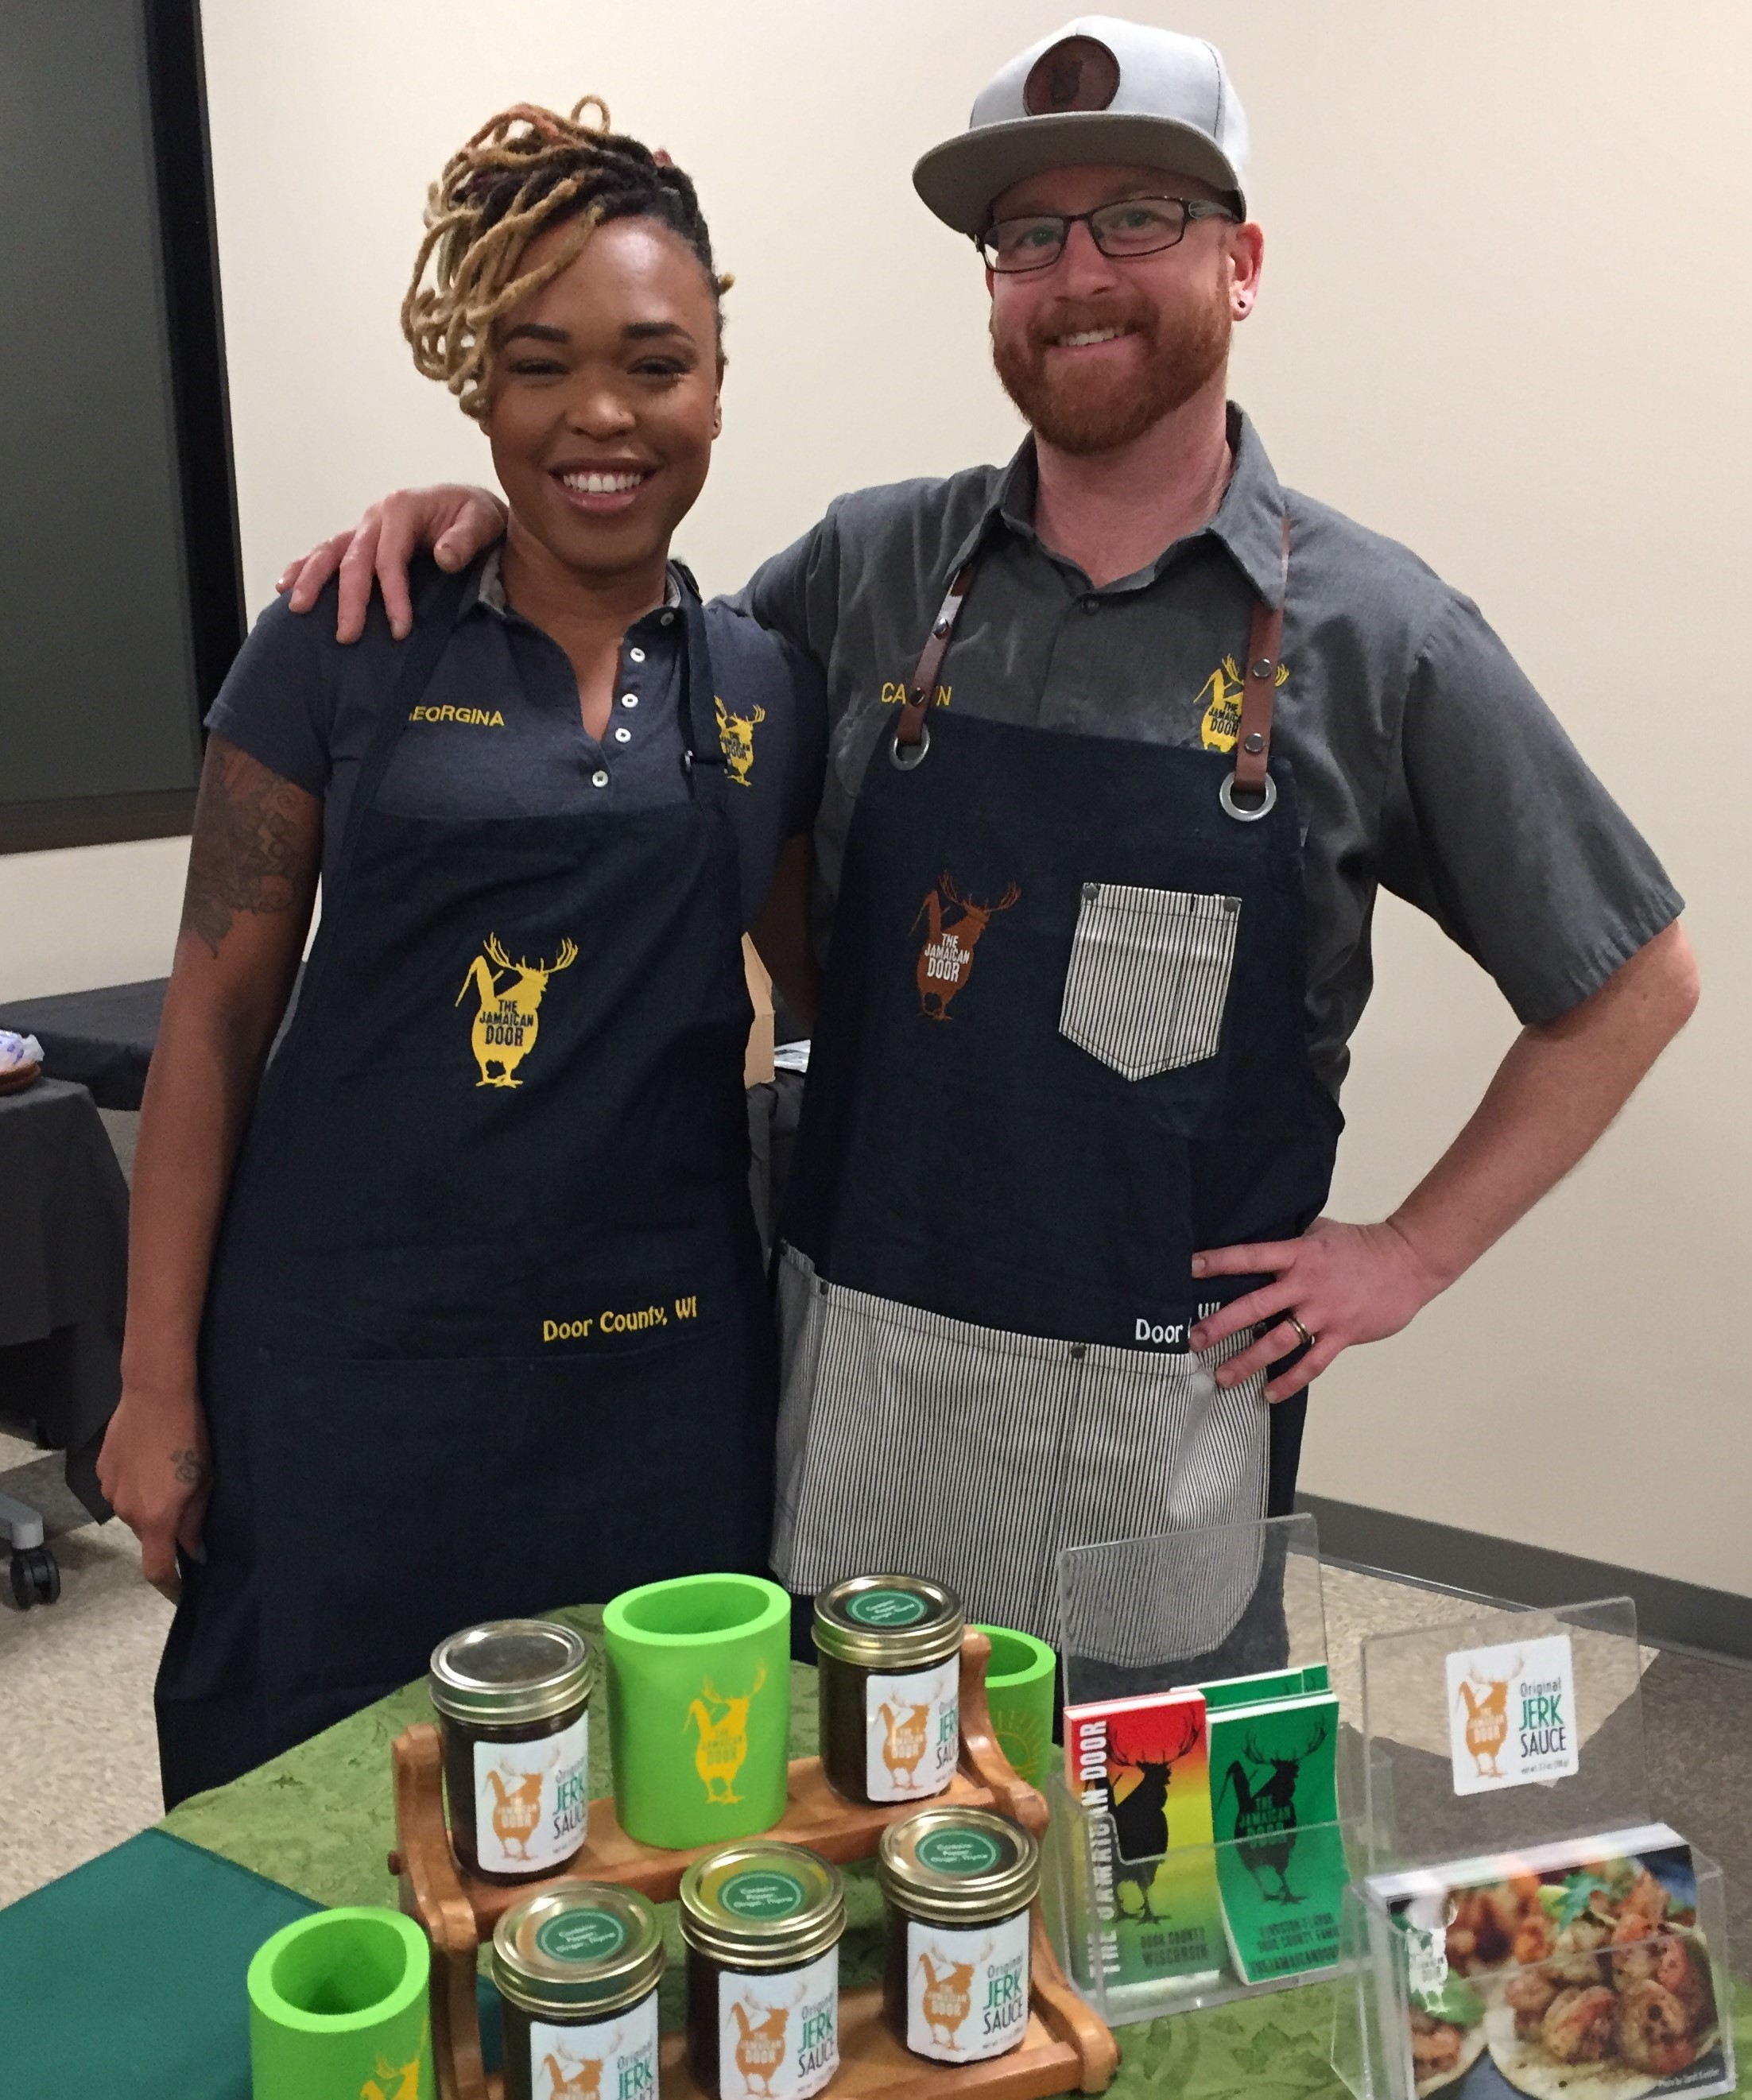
x: 1588, y: 1980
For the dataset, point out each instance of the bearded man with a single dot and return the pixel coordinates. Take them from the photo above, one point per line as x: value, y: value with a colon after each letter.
x: 1093, y: 881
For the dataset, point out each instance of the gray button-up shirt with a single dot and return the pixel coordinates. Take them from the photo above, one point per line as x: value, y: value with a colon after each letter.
x: 1422, y: 758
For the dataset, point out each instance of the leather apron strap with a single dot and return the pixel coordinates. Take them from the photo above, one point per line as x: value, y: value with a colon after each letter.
x: 911, y: 734
x: 1259, y: 690
x: 1253, y: 740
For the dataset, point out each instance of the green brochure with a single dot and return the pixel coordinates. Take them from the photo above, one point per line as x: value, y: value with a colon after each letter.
x: 1280, y: 1857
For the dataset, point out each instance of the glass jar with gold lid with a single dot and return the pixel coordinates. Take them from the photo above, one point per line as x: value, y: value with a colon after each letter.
x: 762, y: 1921
x: 889, y: 1676
x: 513, y: 1699
x: 960, y: 1884
x: 577, y: 1968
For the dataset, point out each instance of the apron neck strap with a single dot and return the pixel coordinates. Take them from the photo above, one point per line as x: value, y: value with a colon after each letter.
x: 1258, y: 687
x: 698, y: 701
x: 911, y: 726
x: 1253, y: 739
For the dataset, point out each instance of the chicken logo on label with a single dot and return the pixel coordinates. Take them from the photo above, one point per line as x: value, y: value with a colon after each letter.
x: 723, y: 1746
x: 759, y: 2044
x: 572, y: 2081
x: 1487, y: 1719
x: 508, y: 1018
x: 1221, y: 693
x: 947, y: 1997
x: 736, y: 733
x: 905, y: 1737
x: 945, y: 961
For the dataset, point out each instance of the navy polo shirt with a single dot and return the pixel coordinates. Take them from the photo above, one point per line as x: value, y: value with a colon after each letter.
x: 498, y: 732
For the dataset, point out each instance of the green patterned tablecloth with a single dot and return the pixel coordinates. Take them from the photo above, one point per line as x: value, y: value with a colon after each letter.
x: 320, y: 1819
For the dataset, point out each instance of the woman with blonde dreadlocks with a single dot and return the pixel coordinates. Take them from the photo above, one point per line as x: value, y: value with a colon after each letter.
x: 456, y: 1312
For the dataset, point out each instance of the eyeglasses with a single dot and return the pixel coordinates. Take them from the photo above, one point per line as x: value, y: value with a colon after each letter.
x: 1134, y: 225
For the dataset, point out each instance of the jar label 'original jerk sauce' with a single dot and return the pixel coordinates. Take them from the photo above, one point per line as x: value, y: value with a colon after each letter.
x: 529, y: 1800
x: 762, y: 1924
x: 967, y: 1992
x: 513, y: 1699
x: 615, y: 2060
x: 889, y: 1685
x: 577, y: 1968
x: 959, y: 1883
x: 778, y: 2036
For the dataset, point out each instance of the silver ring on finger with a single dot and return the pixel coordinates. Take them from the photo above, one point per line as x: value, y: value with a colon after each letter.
x: 1309, y: 1340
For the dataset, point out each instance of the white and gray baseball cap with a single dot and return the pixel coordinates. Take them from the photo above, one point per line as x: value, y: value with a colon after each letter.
x: 1099, y: 91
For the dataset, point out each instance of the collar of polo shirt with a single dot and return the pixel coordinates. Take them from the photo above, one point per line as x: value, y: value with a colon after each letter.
x: 489, y: 586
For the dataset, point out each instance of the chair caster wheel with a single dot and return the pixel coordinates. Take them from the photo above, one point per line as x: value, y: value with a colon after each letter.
x: 36, y: 1577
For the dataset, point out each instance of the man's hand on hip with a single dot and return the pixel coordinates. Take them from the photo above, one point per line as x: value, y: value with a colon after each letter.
x: 453, y: 521
x: 1561, y: 1085
x: 1344, y: 1283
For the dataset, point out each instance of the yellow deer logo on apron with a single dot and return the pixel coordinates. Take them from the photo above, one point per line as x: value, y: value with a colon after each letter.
x: 723, y: 1744
x: 505, y: 1027
x: 736, y: 733
x: 1220, y: 722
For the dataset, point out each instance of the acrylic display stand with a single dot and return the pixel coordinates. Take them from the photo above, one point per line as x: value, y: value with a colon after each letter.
x: 1148, y: 1615
x: 1066, y: 2048
x: 1415, y: 1819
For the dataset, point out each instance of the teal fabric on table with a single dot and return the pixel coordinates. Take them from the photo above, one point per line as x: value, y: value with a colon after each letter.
x: 126, y: 1978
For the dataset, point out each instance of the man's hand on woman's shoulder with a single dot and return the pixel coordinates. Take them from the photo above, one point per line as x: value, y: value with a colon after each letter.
x: 454, y: 521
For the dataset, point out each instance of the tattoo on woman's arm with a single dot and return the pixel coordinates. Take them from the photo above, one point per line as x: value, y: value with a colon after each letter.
x: 189, y: 1467
x: 251, y: 848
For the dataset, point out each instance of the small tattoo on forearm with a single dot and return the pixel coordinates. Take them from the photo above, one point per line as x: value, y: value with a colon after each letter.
x: 188, y: 1468
x: 251, y: 849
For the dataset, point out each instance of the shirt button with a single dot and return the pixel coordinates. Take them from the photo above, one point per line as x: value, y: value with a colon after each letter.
x: 1091, y: 605
x: 665, y: 619
x: 629, y: 699
x: 599, y: 778
x: 637, y: 656
x: 623, y: 736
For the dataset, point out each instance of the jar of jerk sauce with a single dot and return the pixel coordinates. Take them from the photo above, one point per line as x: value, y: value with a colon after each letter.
x: 514, y: 1708
x: 577, y: 1968
x: 762, y: 1923
x: 889, y: 1682
x: 958, y: 1883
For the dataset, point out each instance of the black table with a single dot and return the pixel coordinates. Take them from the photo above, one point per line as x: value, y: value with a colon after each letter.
x: 103, y: 1039
x: 63, y: 1261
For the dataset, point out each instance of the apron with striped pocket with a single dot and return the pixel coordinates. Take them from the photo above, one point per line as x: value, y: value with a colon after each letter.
x: 1061, y: 1047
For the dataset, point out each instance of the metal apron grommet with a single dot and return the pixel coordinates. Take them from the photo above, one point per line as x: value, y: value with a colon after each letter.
x: 919, y: 749
x: 1226, y: 795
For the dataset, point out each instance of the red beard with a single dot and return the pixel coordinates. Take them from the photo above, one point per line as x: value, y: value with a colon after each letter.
x: 1081, y: 412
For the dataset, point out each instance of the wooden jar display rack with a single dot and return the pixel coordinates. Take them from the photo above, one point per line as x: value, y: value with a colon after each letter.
x: 1066, y: 2048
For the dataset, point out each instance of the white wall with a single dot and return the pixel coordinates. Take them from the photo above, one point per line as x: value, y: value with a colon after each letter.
x: 81, y: 916
x: 1505, y: 306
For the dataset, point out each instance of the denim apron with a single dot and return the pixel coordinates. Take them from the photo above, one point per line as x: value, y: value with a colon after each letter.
x: 486, y: 1332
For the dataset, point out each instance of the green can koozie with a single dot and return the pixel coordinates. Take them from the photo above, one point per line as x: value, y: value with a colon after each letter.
x: 1021, y: 1679
x: 338, y: 2005
x: 699, y: 1707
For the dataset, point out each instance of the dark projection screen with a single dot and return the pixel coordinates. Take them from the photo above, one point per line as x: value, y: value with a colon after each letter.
x: 119, y: 601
